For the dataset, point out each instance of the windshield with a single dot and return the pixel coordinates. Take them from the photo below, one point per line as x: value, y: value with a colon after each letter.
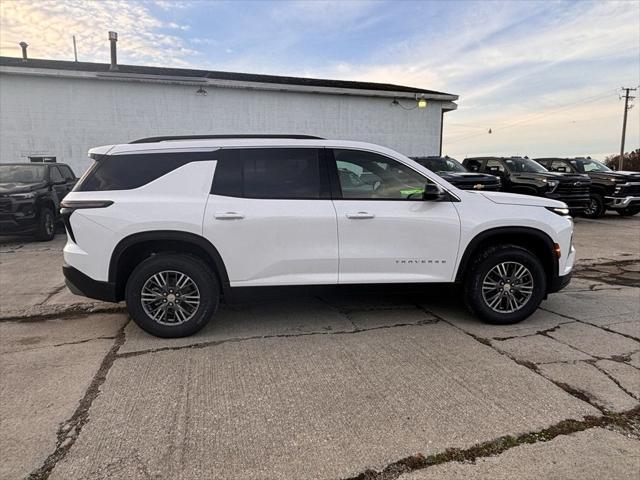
x: 22, y: 173
x: 588, y: 165
x: 519, y: 165
x: 441, y: 164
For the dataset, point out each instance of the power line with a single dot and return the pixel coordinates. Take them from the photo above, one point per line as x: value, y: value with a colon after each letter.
x: 537, y: 116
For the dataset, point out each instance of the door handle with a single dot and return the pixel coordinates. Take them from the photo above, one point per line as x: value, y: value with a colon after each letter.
x: 228, y: 216
x: 360, y: 215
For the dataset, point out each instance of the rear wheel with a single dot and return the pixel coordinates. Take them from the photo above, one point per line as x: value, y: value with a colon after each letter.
x: 46, y: 225
x: 505, y: 285
x: 172, y: 295
x: 629, y: 211
x: 596, y: 207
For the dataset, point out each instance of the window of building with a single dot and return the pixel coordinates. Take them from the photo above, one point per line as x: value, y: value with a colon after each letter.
x: 42, y: 159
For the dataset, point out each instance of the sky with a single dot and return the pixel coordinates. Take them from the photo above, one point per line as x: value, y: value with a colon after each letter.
x: 544, y: 76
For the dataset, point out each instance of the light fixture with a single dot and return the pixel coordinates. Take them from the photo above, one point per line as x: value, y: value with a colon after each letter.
x: 201, y: 91
x: 422, y: 103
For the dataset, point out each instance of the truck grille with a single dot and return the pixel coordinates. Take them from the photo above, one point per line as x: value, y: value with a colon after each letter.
x: 572, y: 189
x: 630, y: 190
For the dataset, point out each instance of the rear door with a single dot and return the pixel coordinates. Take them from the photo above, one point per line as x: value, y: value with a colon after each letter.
x: 387, y: 232
x: 271, y: 217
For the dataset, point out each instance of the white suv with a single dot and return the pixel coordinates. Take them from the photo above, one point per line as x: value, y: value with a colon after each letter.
x: 173, y: 225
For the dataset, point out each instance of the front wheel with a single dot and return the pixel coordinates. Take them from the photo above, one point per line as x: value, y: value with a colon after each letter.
x: 172, y: 295
x: 629, y: 211
x: 596, y: 207
x: 505, y: 285
x: 46, y: 227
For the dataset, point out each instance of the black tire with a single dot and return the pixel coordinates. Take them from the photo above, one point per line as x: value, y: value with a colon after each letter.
x: 46, y: 225
x: 596, y: 207
x: 490, y: 258
x: 202, y: 277
x: 629, y: 211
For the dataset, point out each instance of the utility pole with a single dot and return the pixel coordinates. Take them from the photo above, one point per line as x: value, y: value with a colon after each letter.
x: 624, y: 123
x: 75, y: 50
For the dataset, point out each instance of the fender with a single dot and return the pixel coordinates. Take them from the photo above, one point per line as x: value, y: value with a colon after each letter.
x: 170, y: 235
x: 508, y: 232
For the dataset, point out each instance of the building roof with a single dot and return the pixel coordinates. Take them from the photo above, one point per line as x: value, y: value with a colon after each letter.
x: 205, y: 75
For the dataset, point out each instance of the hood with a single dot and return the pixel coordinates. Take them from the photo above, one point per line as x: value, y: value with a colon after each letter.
x: 468, y: 176
x: 622, y: 175
x: 18, y: 187
x: 504, y: 198
x: 560, y: 176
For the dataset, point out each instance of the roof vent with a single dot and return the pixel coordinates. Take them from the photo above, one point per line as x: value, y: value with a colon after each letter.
x: 24, y: 46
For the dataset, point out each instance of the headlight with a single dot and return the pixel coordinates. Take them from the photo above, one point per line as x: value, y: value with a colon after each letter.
x: 23, y: 196
x: 553, y: 183
x: 559, y: 210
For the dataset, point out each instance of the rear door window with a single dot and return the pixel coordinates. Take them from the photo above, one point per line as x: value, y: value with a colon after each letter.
x: 56, y: 176
x: 495, y: 167
x: 271, y: 173
x: 66, y: 172
x: 559, y: 166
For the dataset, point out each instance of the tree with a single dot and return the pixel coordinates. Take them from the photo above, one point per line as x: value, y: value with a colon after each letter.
x: 631, y: 161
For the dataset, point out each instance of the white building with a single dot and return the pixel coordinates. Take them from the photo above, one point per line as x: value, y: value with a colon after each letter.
x: 59, y: 109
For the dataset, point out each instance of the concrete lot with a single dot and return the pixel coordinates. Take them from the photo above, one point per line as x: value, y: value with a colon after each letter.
x: 359, y: 386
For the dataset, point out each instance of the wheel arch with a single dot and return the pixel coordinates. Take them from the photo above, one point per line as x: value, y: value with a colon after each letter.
x: 537, y: 241
x: 131, y: 250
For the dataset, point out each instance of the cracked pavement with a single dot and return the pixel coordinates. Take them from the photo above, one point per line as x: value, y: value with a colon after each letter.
x: 364, y: 386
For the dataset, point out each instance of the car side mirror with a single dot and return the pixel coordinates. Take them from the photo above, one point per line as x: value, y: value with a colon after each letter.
x: 433, y: 192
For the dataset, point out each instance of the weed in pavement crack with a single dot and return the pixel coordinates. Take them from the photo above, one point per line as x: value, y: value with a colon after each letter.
x: 626, y: 421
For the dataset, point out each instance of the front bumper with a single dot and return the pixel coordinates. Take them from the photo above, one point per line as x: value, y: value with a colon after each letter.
x: 18, y: 216
x: 81, y: 284
x: 622, y: 202
x: 559, y: 282
x: 18, y: 226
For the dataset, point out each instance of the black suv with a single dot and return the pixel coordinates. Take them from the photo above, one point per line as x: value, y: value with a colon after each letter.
x: 523, y: 175
x: 30, y: 195
x: 619, y: 191
x: 455, y: 173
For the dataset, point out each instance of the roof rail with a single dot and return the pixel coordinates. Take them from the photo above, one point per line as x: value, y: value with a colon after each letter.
x: 207, y: 137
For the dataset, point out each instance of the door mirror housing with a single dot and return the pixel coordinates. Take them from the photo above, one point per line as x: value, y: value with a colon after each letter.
x: 433, y: 192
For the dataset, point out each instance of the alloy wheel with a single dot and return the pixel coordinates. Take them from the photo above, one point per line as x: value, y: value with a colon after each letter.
x: 49, y: 224
x: 170, y: 297
x: 507, y: 287
x: 592, y: 207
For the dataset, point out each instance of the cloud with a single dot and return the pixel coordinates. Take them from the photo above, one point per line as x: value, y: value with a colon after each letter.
x: 47, y: 26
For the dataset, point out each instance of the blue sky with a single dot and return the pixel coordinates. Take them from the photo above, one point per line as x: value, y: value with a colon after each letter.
x: 544, y: 76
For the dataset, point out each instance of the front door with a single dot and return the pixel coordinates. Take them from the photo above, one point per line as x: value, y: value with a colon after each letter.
x: 271, y: 217
x: 387, y: 232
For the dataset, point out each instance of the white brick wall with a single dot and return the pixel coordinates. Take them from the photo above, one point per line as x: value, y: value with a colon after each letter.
x: 64, y: 117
